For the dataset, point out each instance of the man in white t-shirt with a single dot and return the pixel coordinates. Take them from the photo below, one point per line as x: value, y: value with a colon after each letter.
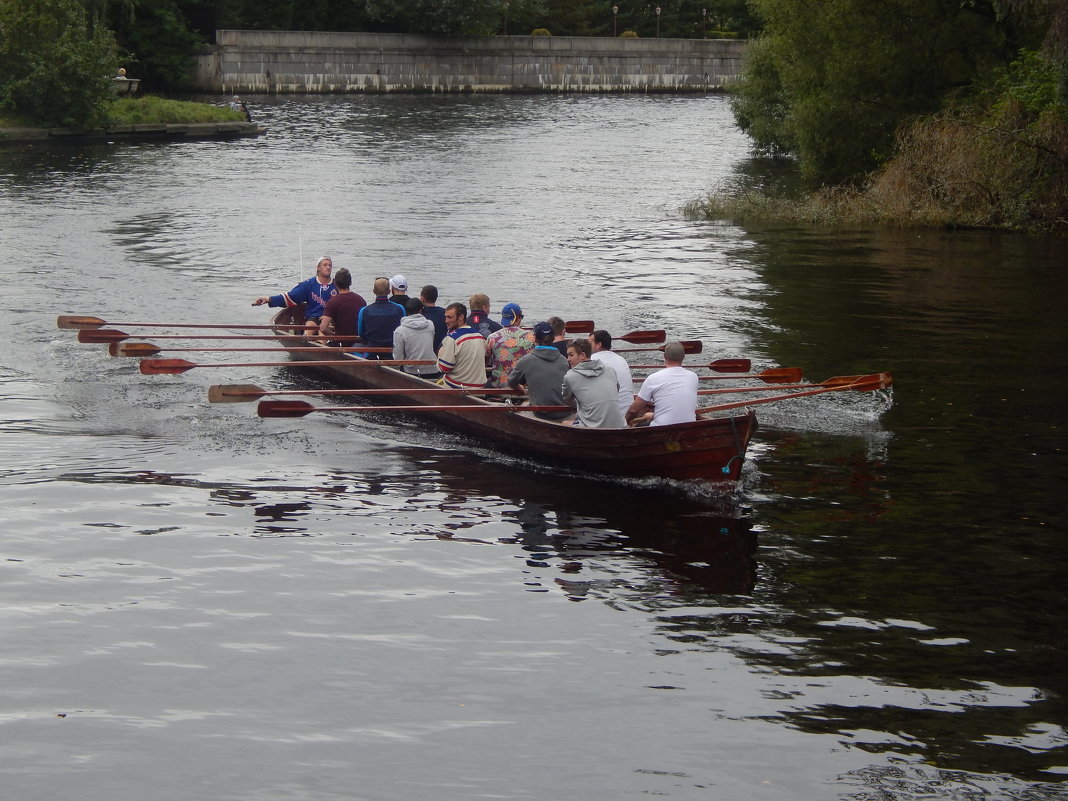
x: 667, y: 396
x: 601, y: 342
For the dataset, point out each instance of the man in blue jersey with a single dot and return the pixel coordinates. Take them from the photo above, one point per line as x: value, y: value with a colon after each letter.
x: 314, y: 292
x: 378, y: 321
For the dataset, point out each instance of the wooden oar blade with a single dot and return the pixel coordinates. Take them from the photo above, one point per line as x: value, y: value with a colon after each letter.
x: 234, y: 393
x: 731, y: 365
x: 692, y: 346
x: 284, y: 408
x: 578, y: 327
x: 651, y: 337
x: 780, y: 375
x: 141, y: 349
x: 101, y: 336
x: 165, y: 366
x: 70, y: 322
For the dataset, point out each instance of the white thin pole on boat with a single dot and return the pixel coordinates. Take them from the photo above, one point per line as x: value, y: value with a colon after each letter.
x: 300, y: 254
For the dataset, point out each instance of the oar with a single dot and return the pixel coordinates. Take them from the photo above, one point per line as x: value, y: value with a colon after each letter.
x: 108, y: 335
x: 86, y: 322
x: 241, y: 393
x: 837, y: 381
x: 143, y: 349
x: 300, y: 408
x: 719, y: 365
x: 636, y: 337
x: 776, y: 375
x: 865, y: 383
x: 175, y: 366
x: 688, y: 345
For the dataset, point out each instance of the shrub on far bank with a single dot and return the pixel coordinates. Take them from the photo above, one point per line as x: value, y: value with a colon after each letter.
x: 997, y: 160
x: 540, y: 32
x: 55, y: 68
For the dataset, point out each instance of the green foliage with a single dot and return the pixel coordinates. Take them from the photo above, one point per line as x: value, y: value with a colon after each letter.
x: 830, y: 82
x: 55, y: 70
x: 161, y: 42
x: 446, y: 17
x: 629, y: 35
x: 540, y: 32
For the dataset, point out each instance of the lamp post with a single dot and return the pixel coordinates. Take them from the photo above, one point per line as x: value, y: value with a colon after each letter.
x: 704, y: 19
x: 658, y: 22
x: 615, y: 17
x: 505, y: 17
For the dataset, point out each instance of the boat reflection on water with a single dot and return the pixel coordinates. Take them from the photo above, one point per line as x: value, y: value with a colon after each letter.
x: 590, y: 537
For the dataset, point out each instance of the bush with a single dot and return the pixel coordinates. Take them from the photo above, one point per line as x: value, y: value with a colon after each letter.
x: 54, y: 69
x: 540, y: 32
x: 628, y: 35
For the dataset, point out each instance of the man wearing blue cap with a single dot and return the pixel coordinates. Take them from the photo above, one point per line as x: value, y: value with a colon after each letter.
x: 542, y: 371
x: 507, y: 346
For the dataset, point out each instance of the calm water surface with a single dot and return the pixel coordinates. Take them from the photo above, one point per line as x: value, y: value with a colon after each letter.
x: 197, y: 603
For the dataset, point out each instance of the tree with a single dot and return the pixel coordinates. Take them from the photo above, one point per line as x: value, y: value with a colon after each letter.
x: 55, y: 68
x: 830, y: 81
x: 447, y: 17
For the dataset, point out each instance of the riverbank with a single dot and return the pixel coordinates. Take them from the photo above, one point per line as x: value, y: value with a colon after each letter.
x: 130, y: 133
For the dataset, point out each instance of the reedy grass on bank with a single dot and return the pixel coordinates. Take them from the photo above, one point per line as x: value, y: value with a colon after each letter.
x: 146, y: 110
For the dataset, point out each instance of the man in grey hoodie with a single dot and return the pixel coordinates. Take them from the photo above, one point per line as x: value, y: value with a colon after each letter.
x: 592, y: 387
x: 542, y: 371
x: 414, y: 339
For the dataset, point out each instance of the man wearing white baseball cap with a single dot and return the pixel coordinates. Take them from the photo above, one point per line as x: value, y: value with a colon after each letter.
x: 398, y: 288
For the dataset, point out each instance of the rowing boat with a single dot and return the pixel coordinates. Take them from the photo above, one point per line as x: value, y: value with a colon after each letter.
x: 710, y: 449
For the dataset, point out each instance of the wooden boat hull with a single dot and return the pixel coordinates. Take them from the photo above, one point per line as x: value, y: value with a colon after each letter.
x: 711, y: 449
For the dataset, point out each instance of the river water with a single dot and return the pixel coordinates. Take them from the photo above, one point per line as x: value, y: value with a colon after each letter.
x: 199, y: 603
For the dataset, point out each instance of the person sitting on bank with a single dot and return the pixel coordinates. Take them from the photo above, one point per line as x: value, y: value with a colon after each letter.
x: 479, y: 318
x: 559, y: 329
x: 414, y: 339
x: 398, y: 290
x: 342, y: 312
x: 667, y: 396
x: 601, y: 345
x: 462, y: 357
x: 542, y: 372
x: 314, y: 292
x: 434, y: 313
x: 592, y: 388
x: 507, y: 346
x: 378, y: 320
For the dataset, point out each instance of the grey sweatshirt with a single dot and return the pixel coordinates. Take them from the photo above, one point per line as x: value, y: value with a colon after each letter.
x: 414, y: 339
x: 595, y: 391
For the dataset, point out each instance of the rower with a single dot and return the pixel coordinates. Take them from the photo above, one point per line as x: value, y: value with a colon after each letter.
x: 380, y: 319
x: 592, y: 387
x: 542, y: 371
x: 506, y: 347
x: 479, y: 317
x: 462, y: 357
x: 342, y: 311
x: 314, y: 292
x: 667, y: 396
x: 601, y: 345
x: 414, y: 339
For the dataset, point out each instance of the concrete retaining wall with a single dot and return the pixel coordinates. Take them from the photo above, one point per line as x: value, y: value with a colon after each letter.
x: 324, y: 62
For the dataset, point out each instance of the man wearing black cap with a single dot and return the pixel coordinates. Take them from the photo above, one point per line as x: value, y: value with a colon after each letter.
x: 507, y: 346
x: 542, y: 371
